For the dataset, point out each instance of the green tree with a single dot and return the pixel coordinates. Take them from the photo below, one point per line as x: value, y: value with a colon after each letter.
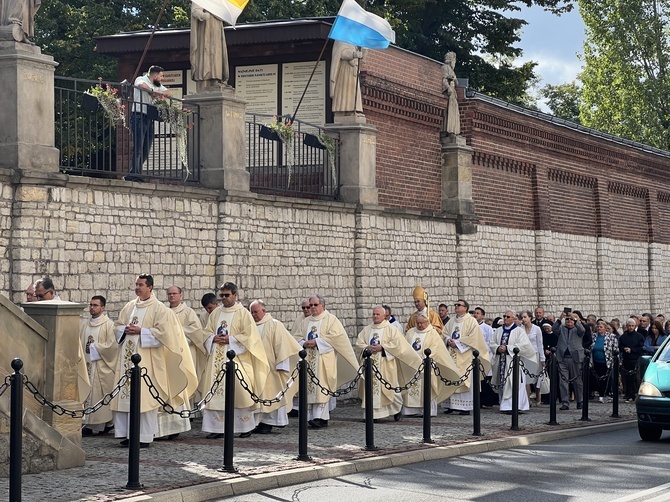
x: 66, y: 30
x: 626, y: 88
x: 563, y: 100
x: 479, y: 31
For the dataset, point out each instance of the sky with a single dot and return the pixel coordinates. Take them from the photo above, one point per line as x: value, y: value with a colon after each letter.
x: 553, y: 42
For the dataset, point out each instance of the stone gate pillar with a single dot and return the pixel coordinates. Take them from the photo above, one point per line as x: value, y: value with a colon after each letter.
x: 27, y: 131
x: 222, y: 140
x: 456, y: 158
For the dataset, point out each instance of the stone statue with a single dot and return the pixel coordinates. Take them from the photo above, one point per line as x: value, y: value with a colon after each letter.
x: 451, y: 125
x: 209, y: 55
x: 17, y: 19
x: 345, y: 89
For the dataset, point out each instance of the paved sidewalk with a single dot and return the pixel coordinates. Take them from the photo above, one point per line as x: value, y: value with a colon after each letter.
x: 187, y: 468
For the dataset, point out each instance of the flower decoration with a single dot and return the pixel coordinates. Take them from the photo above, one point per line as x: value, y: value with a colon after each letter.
x: 283, y: 127
x: 331, y: 144
x: 109, y: 100
x: 176, y: 116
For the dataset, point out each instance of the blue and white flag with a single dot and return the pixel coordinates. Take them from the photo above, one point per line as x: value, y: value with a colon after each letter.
x: 356, y: 26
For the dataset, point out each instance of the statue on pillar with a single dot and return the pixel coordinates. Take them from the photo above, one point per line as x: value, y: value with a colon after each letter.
x: 345, y: 88
x: 17, y: 20
x: 208, y: 55
x: 451, y: 124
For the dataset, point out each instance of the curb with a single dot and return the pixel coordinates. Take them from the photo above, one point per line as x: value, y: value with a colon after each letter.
x: 269, y: 481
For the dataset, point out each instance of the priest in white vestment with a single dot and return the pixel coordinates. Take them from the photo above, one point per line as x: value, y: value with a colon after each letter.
x: 147, y: 327
x: 100, y: 353
x: 281, y: 350
x: 462, y: 335
x: 231, y: 326
x: 329, y: 355
x: 504, y: 340
x: 424, y: 336
x: 389, y: 347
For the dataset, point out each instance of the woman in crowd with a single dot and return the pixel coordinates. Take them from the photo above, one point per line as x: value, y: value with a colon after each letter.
x: 616, y: 326
x: 654, y: 339
x: 535, y: 336
x: 603, y: 346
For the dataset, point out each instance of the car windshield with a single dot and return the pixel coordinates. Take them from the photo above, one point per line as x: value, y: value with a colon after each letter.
x: 663, y: 354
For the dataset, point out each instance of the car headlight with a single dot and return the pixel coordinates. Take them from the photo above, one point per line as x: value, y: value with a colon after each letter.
x: 647, y: 389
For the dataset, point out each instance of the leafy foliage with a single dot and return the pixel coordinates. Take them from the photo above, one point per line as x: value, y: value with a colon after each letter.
x: 479, y: 31
x: 626, y: 85
x: 563, y: 100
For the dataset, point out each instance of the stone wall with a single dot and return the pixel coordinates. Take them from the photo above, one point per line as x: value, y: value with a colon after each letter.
x: 94, y: 236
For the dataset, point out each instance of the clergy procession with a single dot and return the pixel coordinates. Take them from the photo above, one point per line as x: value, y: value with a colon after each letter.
x: 183, y: 356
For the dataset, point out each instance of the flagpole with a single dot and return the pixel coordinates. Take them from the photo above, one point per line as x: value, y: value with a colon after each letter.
x: 310, y: 80
x: 146, y: 47
x: 358, y: 81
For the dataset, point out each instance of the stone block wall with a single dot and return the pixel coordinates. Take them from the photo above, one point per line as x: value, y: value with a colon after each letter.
x: 6, y: 197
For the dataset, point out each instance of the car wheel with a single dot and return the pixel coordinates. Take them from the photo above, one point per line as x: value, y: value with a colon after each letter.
x: 649, y: 432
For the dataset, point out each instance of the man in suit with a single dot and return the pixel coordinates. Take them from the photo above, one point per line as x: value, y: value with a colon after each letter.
x: 569, y: 355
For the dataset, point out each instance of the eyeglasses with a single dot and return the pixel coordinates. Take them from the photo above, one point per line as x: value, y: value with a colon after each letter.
x: 508, y: 316
x: 458, y: 305
x: 225, y: 295
x: 314, y: 304
x: 305, y: 307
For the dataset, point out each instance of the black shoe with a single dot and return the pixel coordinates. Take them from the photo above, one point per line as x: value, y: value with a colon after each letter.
x: 293, y: 413
x: 214, y: 435
x: 464, y: 412
x: 263, y: 429
x: 446, y: 412
x: 125, y: 442
x: 107, y: 429
x: 86, y: 432
x: 173, y: 436
x: 508, y: 412
x: 145, y: 445
x: 396, y: 417
x: 321, y: 422
x: 246, y: 434
x: 565, y: 407
x: 579, y: 406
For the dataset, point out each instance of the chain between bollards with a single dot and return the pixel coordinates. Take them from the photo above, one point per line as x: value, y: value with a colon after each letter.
x: 427, y: 396
x: 229, y: 415
x: 16, y: 432
x: 369, y: 403
x: 302, y: 408
x: 134, y: 426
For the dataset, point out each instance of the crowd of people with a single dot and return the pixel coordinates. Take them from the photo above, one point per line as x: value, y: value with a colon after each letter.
x: 184, y: 354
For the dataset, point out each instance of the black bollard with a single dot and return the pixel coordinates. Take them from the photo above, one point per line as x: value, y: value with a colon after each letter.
x: 586, y: 380
x: 16, y: 432
x: 134, y: 428
x: 229, y: 415
x: 427, y: 396
x: 302, y: 408
x: 553, y: 387
x: 369, y: 404
x: 615, y: 385
x: 476, y: 395
x: 515, y: 390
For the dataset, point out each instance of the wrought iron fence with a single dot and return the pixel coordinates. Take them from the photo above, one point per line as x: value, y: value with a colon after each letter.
x: 306, y: 166
x: 96, y: 139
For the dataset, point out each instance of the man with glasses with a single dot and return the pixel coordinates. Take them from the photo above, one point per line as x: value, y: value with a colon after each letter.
x: 44, y: 290
x: 462, y: 335
x: 505, y: 339
x: 306, y: 312
x: 569, y: 356
x: 231, y: 327
x: 147, y: 327
x: 100, y: 353
x: 421, y: 304
x: 329, y: 355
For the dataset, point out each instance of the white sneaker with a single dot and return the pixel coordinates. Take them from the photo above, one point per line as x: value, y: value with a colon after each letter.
x: 601, y: 399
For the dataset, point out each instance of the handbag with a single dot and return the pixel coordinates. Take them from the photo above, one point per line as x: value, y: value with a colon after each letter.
x: 545, y: 383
